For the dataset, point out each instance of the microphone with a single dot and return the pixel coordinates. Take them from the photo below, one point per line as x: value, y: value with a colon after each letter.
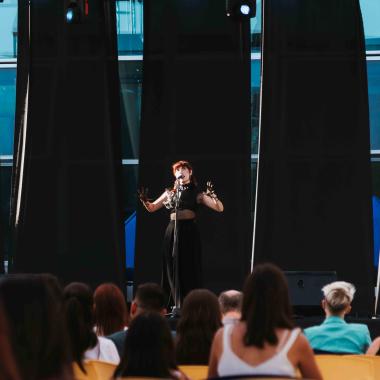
x: 181, y: 176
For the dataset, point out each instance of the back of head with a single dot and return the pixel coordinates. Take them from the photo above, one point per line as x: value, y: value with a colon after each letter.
x: 149, y: 348
x: 230, y: 300
x: 110, y: 309
x: 338, y: 295
x: 33, y: 307
x: 150, y: 297
x: 199, y: 321
x: 78, y: 302
x: 266, y: 305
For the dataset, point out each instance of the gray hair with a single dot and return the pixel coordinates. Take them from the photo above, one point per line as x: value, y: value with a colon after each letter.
x: 230, y: 300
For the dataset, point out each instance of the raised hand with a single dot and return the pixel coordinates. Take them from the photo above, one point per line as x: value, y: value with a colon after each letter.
x: 210, y: 191
x: 143, y: 195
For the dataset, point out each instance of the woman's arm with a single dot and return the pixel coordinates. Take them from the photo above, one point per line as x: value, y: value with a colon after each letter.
x: 157, y: 204
x: 374, y: 347
x: 215, y: 353
x: 211, y: 202
x: 306, y: 359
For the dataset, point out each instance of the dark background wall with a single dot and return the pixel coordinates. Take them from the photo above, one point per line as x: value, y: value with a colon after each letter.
x: 196, y: 106
x: 314, y: 183
x: 68, y: 118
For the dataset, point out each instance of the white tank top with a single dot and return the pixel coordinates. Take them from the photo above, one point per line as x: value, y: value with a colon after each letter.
x: 230, y: 364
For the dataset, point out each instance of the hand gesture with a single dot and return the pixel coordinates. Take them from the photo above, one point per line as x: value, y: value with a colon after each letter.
x: 143, y: 195
x: 210, y: 190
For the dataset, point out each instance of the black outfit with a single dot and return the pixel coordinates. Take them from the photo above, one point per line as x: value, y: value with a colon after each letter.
x: 188, y: 251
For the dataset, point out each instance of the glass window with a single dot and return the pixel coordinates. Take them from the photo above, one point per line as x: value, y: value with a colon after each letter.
x: 373, y: 70
x: 256, y: 28
x: 371, y: 16
x: 255, y: 103
x: 7, y: 109
x: 8, y: 29
x: 129, y: 25
x: 131, y: 87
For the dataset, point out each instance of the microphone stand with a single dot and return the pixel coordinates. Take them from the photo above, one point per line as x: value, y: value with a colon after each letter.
x: 176, y: 288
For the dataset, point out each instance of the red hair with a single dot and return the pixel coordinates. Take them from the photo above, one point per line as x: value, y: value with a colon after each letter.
x: 110, y: 309
x: 181, y: 164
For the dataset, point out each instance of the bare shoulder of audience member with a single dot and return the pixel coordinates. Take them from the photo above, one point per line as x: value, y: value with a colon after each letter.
x: 149, y: 349
x: 230, y: 305
x: 78, y: 301
x: 111, y: 314
x: 200, y: 319
x: 264, y: 341
x: 36, y: 326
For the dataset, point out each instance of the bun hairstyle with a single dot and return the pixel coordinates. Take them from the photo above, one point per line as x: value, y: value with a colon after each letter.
x: 338, y: 295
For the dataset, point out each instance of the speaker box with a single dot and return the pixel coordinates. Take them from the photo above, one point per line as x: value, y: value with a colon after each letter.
x: 305, y: 290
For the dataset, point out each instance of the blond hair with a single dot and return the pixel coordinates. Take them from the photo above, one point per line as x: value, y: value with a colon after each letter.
x: 338, y: 295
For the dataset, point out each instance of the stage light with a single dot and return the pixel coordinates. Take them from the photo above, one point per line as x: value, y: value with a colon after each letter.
x: 241, y: 9
x: 69, y: 15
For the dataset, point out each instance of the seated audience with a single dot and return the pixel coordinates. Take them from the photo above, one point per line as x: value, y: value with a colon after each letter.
x: 149, y: 297
x: 8, y: 368
x: 85, y: 345
x: 200, y: 319
x: 149, y: 349
x: 230, y: 306
x: 264, y: 341
x: 110, y: 310
x: 334, y: 335
x: 32, y: 305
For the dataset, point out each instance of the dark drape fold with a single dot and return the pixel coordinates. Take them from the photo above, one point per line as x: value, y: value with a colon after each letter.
x: 66, y: 196
x: 314, y: 181
x: 196, y: 106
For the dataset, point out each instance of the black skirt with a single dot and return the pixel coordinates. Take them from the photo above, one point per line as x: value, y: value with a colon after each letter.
x: 188, y: 256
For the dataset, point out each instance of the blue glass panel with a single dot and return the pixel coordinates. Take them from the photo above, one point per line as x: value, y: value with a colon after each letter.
x: 129, y: 24
x: 131, y: 88
x: 373, y: 70
x: 256, y: 28
x: 8, y: 29
x: 371, y: 16
x: 7, y: 109
x: 255, y: 103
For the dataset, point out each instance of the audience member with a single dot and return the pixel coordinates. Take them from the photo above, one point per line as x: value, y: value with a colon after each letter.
x: 149, y: 297
x: 230, y: 306
x: 33, y: 308
x: 149, y: 349
x: 264, y: 341
x: 110, y: 310
x: 78, y: 300
x: 334, y: 335
x: 8, y: 368
x: 200, y: 319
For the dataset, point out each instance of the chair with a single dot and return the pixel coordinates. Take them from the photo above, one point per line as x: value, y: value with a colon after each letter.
x: 375, y: 360
x: 335, y: 367
x: 195, y: 372
x: 80, y: 375
x: 103, y: 370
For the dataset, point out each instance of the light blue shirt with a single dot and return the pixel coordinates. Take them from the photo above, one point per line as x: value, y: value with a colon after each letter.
x: 336, y: 335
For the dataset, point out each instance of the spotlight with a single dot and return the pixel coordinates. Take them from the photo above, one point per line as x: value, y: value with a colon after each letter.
x: 241, y: 9
x: 76, y: 11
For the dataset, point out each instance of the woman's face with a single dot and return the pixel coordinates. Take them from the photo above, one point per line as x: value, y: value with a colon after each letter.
x: 183, y: 174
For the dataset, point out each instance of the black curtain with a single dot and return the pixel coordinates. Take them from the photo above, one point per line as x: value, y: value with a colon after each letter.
x: 66, y: 209
x: 196, y: 106
x: 314, y: 182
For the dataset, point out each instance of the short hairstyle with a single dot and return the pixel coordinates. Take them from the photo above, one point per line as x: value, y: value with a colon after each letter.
x: 338, y: 295
x: 110, y: 309
x: 230, y: 300
x: 266, y: 305
x: 150, y: 297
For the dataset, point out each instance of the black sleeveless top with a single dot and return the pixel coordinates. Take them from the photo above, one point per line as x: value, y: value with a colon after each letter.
x: 188, y: 198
